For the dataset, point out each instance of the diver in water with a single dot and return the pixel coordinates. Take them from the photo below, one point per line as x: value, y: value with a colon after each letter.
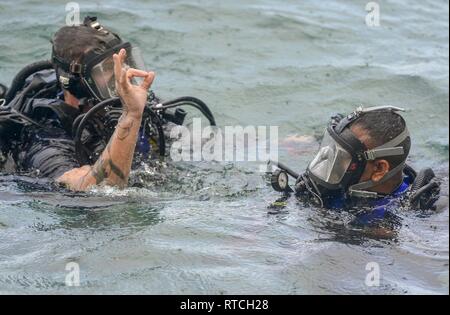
x: 361, y: 164
x: 54, y: 118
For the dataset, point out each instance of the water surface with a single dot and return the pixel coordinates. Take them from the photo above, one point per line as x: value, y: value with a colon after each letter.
x: 204, y: 228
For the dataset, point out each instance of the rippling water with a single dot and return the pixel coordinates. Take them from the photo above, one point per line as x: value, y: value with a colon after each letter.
x: 204, y: 228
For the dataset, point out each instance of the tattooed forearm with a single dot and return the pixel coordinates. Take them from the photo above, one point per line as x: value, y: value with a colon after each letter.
x: 124, y: 127
x: 99, y: 171
x: 105, y: 166
x: 114, y: 168
x: 114, y: 165
x: 117, y: 171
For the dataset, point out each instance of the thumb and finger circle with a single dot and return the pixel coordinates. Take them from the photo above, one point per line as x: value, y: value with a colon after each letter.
x: 123, y: 77
x: 148, y: 81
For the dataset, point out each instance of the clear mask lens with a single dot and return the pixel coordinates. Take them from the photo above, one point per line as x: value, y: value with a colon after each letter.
x: 103, y: 73
x: 331, y: 162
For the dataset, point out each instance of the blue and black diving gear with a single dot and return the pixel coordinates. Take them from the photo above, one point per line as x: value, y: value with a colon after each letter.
x: 334, y: 174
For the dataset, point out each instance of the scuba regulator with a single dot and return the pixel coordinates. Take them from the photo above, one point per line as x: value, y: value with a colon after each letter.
x: 303, y: 186
x: 93, y: 129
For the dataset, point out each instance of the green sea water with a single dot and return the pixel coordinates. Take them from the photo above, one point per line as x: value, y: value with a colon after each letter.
x: 203, y: 228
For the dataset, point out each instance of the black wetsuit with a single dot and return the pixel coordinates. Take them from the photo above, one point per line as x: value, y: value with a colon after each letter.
x: 36, y: 129
x: 47, y: 150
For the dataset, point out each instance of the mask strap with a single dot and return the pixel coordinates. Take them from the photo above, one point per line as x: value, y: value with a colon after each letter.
x: 360, y: 189
x: 90, y: 89
x: 388, y: 149
x: 397, y: 140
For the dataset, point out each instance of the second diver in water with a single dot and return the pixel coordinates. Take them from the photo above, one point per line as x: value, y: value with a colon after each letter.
x: 361, y: 164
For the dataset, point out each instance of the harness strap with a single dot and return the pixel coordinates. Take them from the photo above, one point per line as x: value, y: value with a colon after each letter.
x: 389, y: 148
x: 360, y: 189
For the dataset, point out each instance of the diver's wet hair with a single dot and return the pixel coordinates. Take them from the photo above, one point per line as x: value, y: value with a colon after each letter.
x: 73, y: 48
x: 383, y: 126
x: 71, y: 43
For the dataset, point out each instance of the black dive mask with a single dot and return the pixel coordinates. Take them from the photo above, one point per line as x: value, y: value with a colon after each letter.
x: 342, y: 158
x: 94, y: 76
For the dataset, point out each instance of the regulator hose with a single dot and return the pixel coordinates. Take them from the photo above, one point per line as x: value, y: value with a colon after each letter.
x: 285, y: 168
x: 188, y: 101
x: 82, y: 121
x: 154, y: 112
x: 19, y: 80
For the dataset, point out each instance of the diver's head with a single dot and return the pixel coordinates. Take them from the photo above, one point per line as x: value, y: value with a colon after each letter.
x: 375, y: 129
x: 82, y: 57
x: 363, y: 154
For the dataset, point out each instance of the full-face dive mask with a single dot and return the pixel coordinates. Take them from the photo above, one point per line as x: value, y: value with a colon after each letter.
x: 342, y: 158
x: 94, y: 75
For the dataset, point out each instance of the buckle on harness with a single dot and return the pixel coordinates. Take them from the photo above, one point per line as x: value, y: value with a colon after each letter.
x: 64, y: 81
x: 369, y: 155
x: 76, y: 68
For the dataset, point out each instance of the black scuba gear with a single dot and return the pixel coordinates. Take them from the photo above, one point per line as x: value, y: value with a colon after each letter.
x: 20, y: 79
x: 279, y: 179
x: 102, y: 120
x: 48, y: 152
x: 104, y: 117
x: 186, y: 101
x: 3, y: 90
x: 35, y: 104
x: 425, y: 190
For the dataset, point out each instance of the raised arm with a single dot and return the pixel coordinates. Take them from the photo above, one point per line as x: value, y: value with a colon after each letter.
x: 114, y: 165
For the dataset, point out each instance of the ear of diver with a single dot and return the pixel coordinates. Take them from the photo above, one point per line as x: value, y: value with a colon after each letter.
x: 380, y: 169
